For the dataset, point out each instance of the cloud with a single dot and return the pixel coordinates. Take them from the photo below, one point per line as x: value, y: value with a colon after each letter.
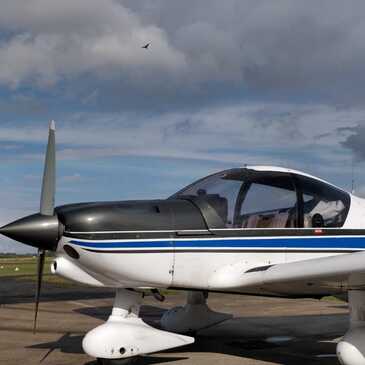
x: 52, y: 42
x: 201, y: 52
x: 15, y: 204
x: 243, y: 133
x: 355, y: 140
x: 71, y: 178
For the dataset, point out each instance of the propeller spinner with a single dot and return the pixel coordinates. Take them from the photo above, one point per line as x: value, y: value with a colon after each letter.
x: 41, y: 230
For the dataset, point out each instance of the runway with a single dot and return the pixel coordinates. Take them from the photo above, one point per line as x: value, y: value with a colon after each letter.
x: 263, y: 330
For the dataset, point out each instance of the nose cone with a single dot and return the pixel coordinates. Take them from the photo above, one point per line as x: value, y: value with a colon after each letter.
x: 36, y: 230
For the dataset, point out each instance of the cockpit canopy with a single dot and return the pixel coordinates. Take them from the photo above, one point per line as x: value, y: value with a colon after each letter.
x: 249, y: 198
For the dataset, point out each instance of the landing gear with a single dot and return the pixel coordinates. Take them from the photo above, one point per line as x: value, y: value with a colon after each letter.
x: 194, y: 316
x: 351, y: 349
x: 125, y: 335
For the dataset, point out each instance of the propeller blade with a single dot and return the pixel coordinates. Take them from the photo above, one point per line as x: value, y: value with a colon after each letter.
x: 46, y: 206
x: 49, y: 174
x: 40, y: 267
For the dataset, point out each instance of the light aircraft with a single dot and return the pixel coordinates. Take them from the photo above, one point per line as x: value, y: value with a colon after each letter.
x: 258, y: 230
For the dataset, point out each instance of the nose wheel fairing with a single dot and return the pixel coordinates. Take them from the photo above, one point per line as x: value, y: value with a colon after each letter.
x: 125, y: 334
x: 351, y: 349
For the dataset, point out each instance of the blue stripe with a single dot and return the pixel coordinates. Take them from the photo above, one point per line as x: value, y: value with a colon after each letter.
x: 124, y: 244
x: 302, y: 242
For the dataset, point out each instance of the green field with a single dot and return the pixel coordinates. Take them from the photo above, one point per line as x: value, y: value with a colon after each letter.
x: 25, y: 268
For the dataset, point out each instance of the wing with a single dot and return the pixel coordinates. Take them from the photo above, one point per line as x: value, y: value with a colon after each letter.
x: 315, y: 277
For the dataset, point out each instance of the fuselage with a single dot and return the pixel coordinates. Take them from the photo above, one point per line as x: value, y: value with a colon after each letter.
x: 191, y: 239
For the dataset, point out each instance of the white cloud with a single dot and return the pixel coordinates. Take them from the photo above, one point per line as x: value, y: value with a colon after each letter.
x: 54, y: 41
x: 286, y: 47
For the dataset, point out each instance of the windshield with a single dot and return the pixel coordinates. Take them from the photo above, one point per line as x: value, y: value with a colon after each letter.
x: 220, y: 191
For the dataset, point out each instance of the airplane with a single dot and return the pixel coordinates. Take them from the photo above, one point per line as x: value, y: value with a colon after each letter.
x: 259, y: 230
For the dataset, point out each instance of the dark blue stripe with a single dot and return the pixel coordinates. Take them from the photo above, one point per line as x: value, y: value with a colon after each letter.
x: 125, y: 244
x: 309, y: 242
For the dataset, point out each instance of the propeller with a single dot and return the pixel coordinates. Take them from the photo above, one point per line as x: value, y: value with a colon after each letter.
x: 46, y: 207
x: 42, y: 230
x: 49, y: 174
x: 40, y: 267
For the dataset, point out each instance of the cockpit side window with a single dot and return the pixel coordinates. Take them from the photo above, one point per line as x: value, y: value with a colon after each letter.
x: 322, y: 204
x: 268, y: 202
x: 219, y: 192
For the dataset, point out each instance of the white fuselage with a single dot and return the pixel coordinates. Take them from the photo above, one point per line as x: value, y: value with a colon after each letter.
x: 184, y: 262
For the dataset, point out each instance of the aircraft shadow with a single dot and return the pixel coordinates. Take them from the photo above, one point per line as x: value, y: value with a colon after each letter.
x: 301, y: 352
x: 244, y: 337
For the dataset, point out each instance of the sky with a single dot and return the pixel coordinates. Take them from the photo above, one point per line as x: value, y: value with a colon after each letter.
x: 222, y: 84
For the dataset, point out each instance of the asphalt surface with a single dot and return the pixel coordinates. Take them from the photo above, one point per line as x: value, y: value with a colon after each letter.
x: 263, y: 330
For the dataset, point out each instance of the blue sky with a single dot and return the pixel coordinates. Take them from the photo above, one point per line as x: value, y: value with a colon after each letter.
x: 223, y: 84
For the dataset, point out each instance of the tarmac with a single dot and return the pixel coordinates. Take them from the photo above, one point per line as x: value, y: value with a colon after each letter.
x: 262, y: 331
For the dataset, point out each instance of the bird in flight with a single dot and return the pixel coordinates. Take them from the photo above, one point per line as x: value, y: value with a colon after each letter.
x: 146, y: 45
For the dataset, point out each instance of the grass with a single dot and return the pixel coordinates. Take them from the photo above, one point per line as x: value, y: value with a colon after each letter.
x: 334, y: 299
x: 25, y: 268
x: 22, y: 265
